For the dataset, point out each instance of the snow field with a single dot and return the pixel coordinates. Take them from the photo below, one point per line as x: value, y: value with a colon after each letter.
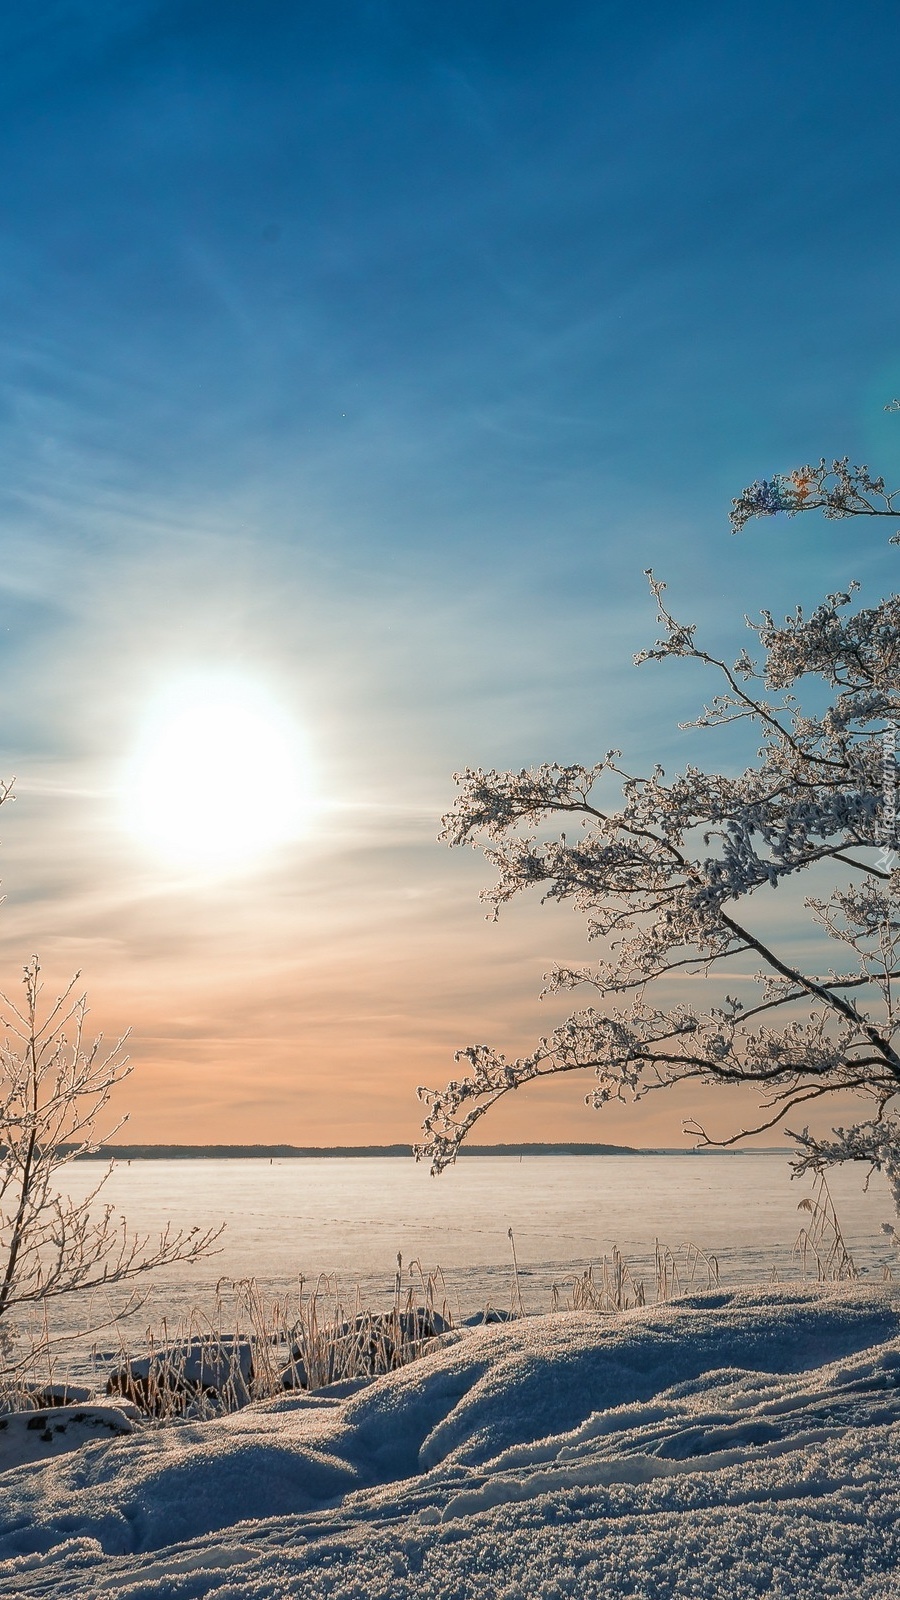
x: 731, y: 1445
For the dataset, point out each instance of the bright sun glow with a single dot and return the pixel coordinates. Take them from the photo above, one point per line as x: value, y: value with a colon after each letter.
x: 219, y: 776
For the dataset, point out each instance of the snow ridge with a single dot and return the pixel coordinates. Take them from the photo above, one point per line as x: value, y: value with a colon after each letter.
x: 737, y: 1444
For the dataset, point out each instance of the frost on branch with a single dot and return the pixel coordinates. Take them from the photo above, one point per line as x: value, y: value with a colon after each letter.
x: 674, y: 878
x: 838, y: 490
x: 54, y: 1084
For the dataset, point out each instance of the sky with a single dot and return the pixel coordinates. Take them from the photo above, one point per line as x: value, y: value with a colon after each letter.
x: 363, y: 358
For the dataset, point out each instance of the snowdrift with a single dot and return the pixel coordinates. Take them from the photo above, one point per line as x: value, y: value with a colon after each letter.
x: 735, y: 1445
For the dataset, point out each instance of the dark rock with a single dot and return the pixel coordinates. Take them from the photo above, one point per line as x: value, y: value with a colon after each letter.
x: 49, y: 1395
x: 489, y: 1314
x: 371, y: 1344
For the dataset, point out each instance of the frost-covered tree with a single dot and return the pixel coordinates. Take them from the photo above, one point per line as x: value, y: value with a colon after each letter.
x: 671, y: 878
x: 54, y: 1084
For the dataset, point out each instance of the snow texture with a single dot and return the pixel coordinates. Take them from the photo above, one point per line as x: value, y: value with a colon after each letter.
x: 34, y: 1436
x: 733, y: 1444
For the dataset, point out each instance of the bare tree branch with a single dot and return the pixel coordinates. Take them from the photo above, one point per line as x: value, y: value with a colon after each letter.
x: 677, y: 877
x: 53, y: 1088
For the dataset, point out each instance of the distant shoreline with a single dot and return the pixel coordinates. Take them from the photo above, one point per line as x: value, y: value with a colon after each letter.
x: 287, y: 1152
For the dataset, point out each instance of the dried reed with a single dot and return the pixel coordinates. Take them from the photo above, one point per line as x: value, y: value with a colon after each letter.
x: 612, y: 1284
x: 821, y: 1245
x: 255, y: 1346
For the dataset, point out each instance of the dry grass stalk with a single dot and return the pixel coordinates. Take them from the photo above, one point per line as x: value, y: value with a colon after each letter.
x: 614, y: 1286
x: 517, y: 1304
x: 821, y: 1244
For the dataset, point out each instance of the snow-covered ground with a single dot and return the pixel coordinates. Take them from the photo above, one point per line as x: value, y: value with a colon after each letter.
x: 731, y: 1445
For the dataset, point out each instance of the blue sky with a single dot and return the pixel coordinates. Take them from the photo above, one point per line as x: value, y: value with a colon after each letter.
x: 375, y: 351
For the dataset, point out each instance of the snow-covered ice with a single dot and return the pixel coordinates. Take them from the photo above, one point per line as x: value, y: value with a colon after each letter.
x: 729, y: 1445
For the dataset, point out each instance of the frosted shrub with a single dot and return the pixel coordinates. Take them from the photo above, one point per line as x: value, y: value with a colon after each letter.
x: 54, y: 1084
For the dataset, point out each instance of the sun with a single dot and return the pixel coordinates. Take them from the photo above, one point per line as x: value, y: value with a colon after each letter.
x: 219, y: 776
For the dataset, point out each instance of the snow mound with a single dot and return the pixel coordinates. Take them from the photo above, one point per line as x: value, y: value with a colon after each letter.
x: 34, y: 1436
x: 731, y: 1444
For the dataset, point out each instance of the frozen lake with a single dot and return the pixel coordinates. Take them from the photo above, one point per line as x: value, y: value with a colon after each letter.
x: 351, y: 1216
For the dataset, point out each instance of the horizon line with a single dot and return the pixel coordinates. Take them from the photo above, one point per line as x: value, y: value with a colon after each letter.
x: 132, y: 1152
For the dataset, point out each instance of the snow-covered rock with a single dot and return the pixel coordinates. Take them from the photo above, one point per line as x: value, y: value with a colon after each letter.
x: 58, y: 1394
x: 30, y: 1436
x: 176, y: 1376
